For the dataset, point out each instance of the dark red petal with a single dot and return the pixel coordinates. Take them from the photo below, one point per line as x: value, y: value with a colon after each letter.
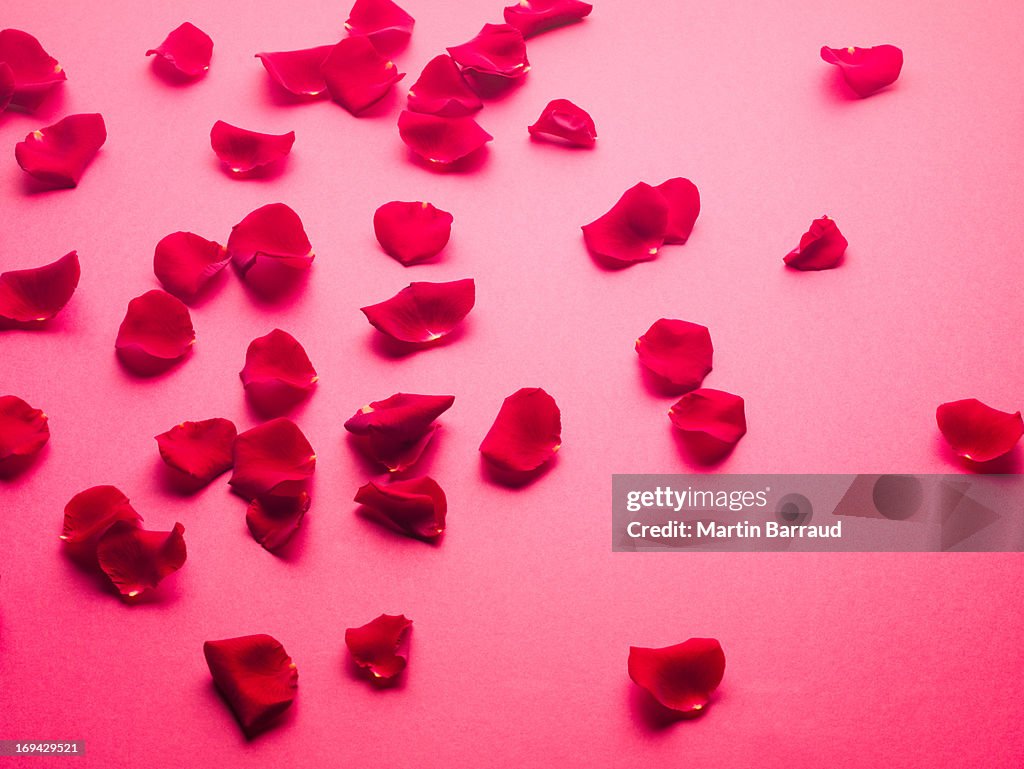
x: 185, y: 262
x: 31, y: 297
x: 678, y: 351
x: 681, y: 677
x: 442, y: 90
x: 277, y: 373
x: 242, y: 151
x: 386, y: 25
x: 978, y: 432
x: 58, y: 154
x: 633, y: 230
x: 93, y: 511
x: 298, y: 72
x: 821, y: 247
x: 441, y: 140
x: 531, y: 17
x: 374, y: 646
x: 564, y: 120
x: 200, y: 450
x: 498, y: 50
x: 357, y: 75
x: 136, y: 560
x: 33, y: 70
x: 7, y: 85
x: 683, y: 201
x: 156, y: 331
x: 416, y: 507
x: 272, y: 458
x: 255, y: 675
x: 412, y: 232
x: 423, y: 312
x: 23, y: 432
x: 272, y: 232
x: 866, y: 70
x: 526, y: 433
x: 396, y: 430
x: 714, y: 413
x: 188, y: 49
x: 273, y: 520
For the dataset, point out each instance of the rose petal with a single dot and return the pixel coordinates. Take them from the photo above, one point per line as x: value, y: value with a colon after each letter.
x: 423, y: 312
x: 256, y: 676
x: 441, y: 140
x: 717, y: 414
x: 201, y: 450
x: 564, y: 120
x: 526, y: 433
x: 633, y: 230
x: 396, y: 430
x: 386, y: 25
x: 156, y: 332
x: 866, y: 70
x: 681, y: 677
x: 374, y: 646
x: 978, y: 432
x: 531, y: 17
x: 185, y: 262
x: 821, y: 247
x: 498, y: 51
x: 357, y: 75
x: 188, y: 49
x: 442, y: 90
x: 272, y: 232
x: 23, y: 432
x: 272, y: 458
x: 93, y: 511
x: 416, y: 507
x: 273, y: 520
x: 412, y: 232
x: 7, y: 85
x: 33, y: 71
x: 277, y: 374
x: 298, y: 72
x: 29, y: 298
x: 242, y: 151
x: 58, y: 154
x: 137, y: 560
x: 683, y: 201
x: 677, y: 351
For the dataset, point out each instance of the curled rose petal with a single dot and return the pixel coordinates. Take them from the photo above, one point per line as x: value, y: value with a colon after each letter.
x: 497, y: 51
x: 256, y: 677
x: 416, y: 507
x: 29, y: 298
x: 23, y: 432
x: 386, y: 25
x: 633, y: 230
x: 187, y: 48
x: 273, y: 520
x: 526, y: 433
x: 441, y: 140
x: 185, y: 262
x: 58, y: 155
x: 93, y: 511
x: 277, y: 374
x: 272, y: 458
x: 442, y: 90
x: 683, y: 201
x: 564, y: 120
x: 298, y: 72
x: 272, y: 232
x: 531, y: 17
x: 33, y: 71
x: 681, y: 678
x: 717, y: 414
x: 137, y: 560
x: 357, y: 75
x: 412, y: 232
x: 375, y: 646
x: 395, y: 431
x: 866, y: 70
x: 422, y: 313
x: 156, y: 332
x: 242, y: 151
x: 677, y: 351
x: 821, y: 247
x: 978, y: 432
x: 7, y: 85
x: 200, y: 450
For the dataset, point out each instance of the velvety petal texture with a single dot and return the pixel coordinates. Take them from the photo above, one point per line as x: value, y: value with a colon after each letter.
x: 977, y: 431
x: 272, y: 232
x: 277, y: 374
x: 184, y: 263
x: 298, y: 72
x: 156, y: 332
x: 416, y: 506
x: 187, y: 48
x: 29, y: 298
x: 394, y: 431
x: 273, y: 519
x: 375, y: 646
x: 91, y: 512
x: 272, y: 458
x: 683, y: 200
x: 821, y: 247
x: 386, y: 25
x: 526, y: 433
x: 256, y: 677
x: 137, y: 560
x: 357, y: 74
x: 714, y: 413
x: 412, y: 232
x: 241, y: 150
x: 678, y: 351
x: 442, y: 90
x: 422, y: 313
x: 441, y: 140
x: 681, y: 678
x: 23, y: 432
x: 633, y: 230
x: 59, y: 154
x: 32, y: 72
x: 563, y: 120
x: 866, y: 70
x: 531, y: 17
x: 200, y: 450
x: 497, y: 51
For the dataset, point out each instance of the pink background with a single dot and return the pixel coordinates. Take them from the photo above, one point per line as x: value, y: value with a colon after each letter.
x: 523, y: 616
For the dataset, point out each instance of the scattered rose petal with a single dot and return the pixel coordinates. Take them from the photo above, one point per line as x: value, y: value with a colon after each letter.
x: 23, y: 432
x: 273, y: 232
x: 821, y: 247
x: 277, y: 374
x: 677, y: 351
x: 681, y: 678
x: 374, y: 646
x: 633, y: 230
x: 188, y: 49
x: 531, y: 17
x: 242, y: 151
x: 386, y: 25
x: 156, y: 332
x: 416, y: 507
x: 273, y: 520
x: 564, y: 120
x: 866, y: 70
x: 200, y: 450
x: 256, y: 676
x: 978, y: 432
x: 357, y: 75
x: 31, y: 297
x: 442, y: 90
x: 33, y: 71
x: 7, y: 85
x: 395, y: 431
x: 412, y: 232
x: 683, y: 201
x: 185, y: 262
x: 526, y: 433
x: 423, y: 312
x: 272, y: 458
x: 441, y: 140
x: 498, y: 51
x: 298, y: 72
x: 58, y: 154
x: 714, y: 413
x: 93, y: 511
x: 137, y: 560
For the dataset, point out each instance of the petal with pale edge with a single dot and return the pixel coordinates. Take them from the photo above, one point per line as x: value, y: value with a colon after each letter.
x: 357, y: 75
x: 23, y: 432
x: 273, y: 519
x: 156, y: 332
x: 526, y: 433
x: 201, y: 450
x: 678, y: 351
x: 185, y: 262
x: 633, y: 230
x: 242, y: 150
x: 683, y: 201
x: 33, y: 71
x: 498, y: 50
x: 386, y: 25
x: 298, y: 72
x: 277, y: 374
x: 563, y: 120
x: 978, y: 432
x: 717, y: 414
x: 441, y: 140
x: 137, y: 560
x: 375, y: 646
x: 866, y: 70
x: 681, y: 678
x: 93, y: 511
x: 396, y: 430
x: 821, y: 247
x: 272, y: 232
x: 29, y: 298
x: 272, y: 458
x: 59, y: 154
x: 187, y: 48
x: 412, y: 232
x: 442, y: 90
x: 422, y: 313
x: 416, y: 506
x: 531, y: 17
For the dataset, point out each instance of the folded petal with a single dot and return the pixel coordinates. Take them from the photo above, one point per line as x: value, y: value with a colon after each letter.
x: 498, y: 50
x: 678, y: 351
x: 441, y: 140
x: 272, y: 458
x: 633, y: 230
x: 442, y: 90
x: 978, y: 432
x: 386, y: 25
x: 274, y: 519
x: 23, y: 432
x: 416, y: 507
x: 298, y: 72
x: 717, y: 414
x: 821, y: 247
x: 32, y: 70
x: 564, y: 120
x: 866, y: 70
x: 681, y: 678
x: 423, y: 312
x: 31, y: 297
x: 272, y: 232
x: 137, y: 560
x: 201, y: 450
x: 526, y: 433
x: 277, y: 374
x: 396, y: 430
x: 91, y: 512
x: 531, y: 17
x: 185, y: 262
x: 357, y: 75
x: 375, y: 646
x: 59, y: 154
x: 683, y: 201
x: 187, y: 48
x: 156, y: 331
x: 242, y: 151
x: 412, y: 232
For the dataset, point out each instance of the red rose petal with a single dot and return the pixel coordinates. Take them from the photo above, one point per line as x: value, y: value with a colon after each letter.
x: 374, y: 646
x: 272, y: 458
x: 137, y: 560
x: 978, y: 432
x: 526, y: 433
x: 416, y: 507
x: 683, y: 200
x: 633, y: 230
x: 386, y: 25
x: 412, y: 232
x: 298, y: 72
x: 242, y: 151
x: 442, y: 90
x: 31, y: 297
x: 866, y: 70
x: 717, y: 414
x: 273, y: 520
x: 23, y: 432
x: 531, y: 17
x: 33, y: 71
x: 255, y: 675
x: 564, y: 120
x: 93, y: 511
x: 156, y: 332
x: 185, y: 262
x: 201, y: 450
x: 677, y: 351
x: 441, y: 140
x: 681, y: 677
x: 821, y: 247
x: 395, y: 431
x: 498, y: 51
x: 272, y: 232
x: 58, y: 154
x: 188, y: 49
x: 7, y: 85
x: 357, y: 75
x: 277, y: 373
x: 423, y: 312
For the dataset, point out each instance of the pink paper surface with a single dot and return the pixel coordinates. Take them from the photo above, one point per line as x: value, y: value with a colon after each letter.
x: 523, y: 617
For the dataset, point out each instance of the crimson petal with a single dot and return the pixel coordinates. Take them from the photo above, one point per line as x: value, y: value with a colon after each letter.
x: 273, y: 232
x: 357, y: 75
x: 187, y: 48
x: 531, y: 17
x: 298, y: 72
x: 386, y: 25
x: 395, y: 431
x: 272, y: 458
x: 137, y: 560
x: 564, y: 120
x: 156, y: 332
x: 717, y: 414
x: 677, y: 351
x: 31, y: 297
x: 7, y: 85
x: 526, y: 433
x: 185, y: 262
x: 683, y: 201
x: 33, y: 71
x: 633, y: 230
x: 277, y: 373
x: 821, y: 247
x: 242, y: 150
x: 200, y: 450
x: 412, y: 232
x: 23, y: 432
x: 91, y: 512
x: 498, y: 51
x: 866, y: 70
x: 375, y: 645
x: 58, y: 154
x: 681, y: 678
x: 442, y: 90
x: 274, y: 519
x: 441, y: 140
x: 423, y: 312
x: 978, y: 432
x: 416, y: 507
